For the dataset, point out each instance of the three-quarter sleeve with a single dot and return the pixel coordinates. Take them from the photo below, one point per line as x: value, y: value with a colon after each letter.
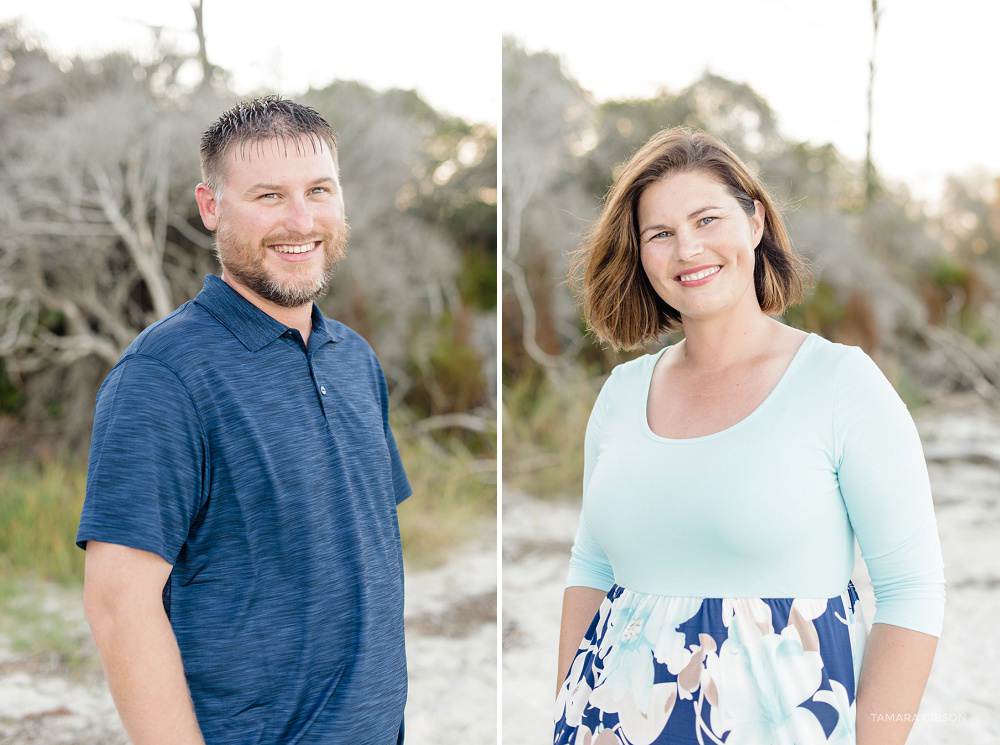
x: 589, y: 565
x: 884, y: 482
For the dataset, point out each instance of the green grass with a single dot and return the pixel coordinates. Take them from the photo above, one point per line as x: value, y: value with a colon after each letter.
x: 544, y: 423
x: 41, y: 569
x: 39, y: 511
x: 454, y: 498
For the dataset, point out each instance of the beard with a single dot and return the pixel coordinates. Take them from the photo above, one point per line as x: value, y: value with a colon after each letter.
x: 245, y: 262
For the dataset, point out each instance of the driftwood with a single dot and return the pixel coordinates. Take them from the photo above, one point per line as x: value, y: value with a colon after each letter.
x: 461, y: 420
x: 986, y: 454
x: 952, y: 361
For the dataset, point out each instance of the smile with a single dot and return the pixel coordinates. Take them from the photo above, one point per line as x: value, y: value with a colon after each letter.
x: 700, y: 274
x: 299, y: 248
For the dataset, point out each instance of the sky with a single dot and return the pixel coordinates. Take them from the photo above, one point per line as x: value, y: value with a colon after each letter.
x: 936, y: 107
x: 433, y: 47
x: 936, y: 110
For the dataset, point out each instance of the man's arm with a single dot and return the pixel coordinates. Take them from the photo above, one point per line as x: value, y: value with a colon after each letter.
x: 122, y: 598
x: 580, y: 605
x: 894, y: 673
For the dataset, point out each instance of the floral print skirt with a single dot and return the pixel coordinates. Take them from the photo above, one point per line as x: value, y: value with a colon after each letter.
x: 741, y: 671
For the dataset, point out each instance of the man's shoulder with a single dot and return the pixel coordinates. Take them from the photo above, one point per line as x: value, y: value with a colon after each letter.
x: 156, y: 358
x: 174, y: 337
x: 347, y: 337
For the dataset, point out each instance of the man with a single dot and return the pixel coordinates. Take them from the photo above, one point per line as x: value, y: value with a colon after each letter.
x: 244, y: 576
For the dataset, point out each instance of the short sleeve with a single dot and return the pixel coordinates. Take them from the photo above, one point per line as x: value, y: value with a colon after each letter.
x: 883, y: 478
x: 148, y: 469
x: 589, y: 565
x: 400, y: 483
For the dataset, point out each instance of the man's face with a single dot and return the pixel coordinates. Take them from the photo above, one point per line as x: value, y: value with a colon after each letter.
x: 279, y: 222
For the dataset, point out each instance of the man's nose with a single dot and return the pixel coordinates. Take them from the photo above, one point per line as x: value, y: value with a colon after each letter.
x: 299, y: 218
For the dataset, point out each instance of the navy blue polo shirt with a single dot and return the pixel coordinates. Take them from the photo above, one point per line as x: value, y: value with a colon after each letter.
x: 266, y: 473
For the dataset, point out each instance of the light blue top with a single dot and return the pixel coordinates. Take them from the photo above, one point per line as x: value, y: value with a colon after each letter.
x: 769, y: 507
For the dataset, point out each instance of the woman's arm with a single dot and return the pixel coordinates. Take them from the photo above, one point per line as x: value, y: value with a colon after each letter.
x: 580, y: 605
x: 883, y: 478
x: 894, y: 674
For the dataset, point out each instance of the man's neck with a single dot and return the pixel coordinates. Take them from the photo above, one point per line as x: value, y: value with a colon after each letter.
x: 299, y: 317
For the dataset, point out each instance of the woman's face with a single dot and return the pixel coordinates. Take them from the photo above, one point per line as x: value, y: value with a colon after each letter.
x: 697, y: 245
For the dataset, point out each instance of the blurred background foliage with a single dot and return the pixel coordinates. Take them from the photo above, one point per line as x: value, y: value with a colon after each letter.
x: 100, y: 236
x: 914, y: 284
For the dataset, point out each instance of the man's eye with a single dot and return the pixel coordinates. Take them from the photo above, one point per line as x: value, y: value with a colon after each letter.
x: 271, y: 195
x: 707, y: 220
x: 320, y: 190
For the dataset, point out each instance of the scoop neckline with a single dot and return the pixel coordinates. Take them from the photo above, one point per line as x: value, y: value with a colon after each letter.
x: 648, y: 381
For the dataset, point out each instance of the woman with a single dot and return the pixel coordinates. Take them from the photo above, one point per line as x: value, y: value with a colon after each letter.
x: 725, y: 480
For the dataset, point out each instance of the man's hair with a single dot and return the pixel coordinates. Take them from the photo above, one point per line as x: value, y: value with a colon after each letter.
x: 255, y: 121
x: 618, y: 301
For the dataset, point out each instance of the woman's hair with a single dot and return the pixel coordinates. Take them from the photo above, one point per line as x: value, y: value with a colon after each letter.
x: 618, y: 301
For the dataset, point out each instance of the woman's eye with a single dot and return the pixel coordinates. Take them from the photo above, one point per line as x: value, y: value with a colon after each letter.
x: 661, y: 234
x: 707, y: 220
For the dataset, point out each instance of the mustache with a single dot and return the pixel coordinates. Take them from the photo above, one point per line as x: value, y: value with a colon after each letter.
x: 295, y: 238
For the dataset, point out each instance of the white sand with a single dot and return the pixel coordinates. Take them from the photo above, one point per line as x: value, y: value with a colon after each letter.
x: 451, y: 653
x: 961, y: 705
x: 451, y: 635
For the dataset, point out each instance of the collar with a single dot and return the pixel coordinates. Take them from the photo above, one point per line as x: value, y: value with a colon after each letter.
x: 254, y: 328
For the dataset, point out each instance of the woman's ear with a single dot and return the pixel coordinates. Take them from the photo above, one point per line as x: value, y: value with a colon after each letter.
x: 757, y: 221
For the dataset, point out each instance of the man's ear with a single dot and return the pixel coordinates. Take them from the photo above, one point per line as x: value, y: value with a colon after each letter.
x: 208, y: 206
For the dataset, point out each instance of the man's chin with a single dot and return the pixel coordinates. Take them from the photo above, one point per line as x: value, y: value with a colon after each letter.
x: 283, y: 294
x: 291, y: 297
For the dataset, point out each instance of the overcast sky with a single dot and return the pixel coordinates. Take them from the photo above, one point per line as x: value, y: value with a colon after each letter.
x: 936, y: 106
x: 436, y: 47
x: 936, y: 109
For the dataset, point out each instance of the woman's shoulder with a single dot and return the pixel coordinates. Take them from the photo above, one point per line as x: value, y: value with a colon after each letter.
x: 625, y: 387
x: 850, y: 370
x: 830, y: 355
x: 627, y: 379
x: 628, y: 372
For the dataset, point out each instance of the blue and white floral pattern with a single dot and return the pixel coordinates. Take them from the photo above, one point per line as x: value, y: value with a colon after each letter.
x: 654, y: 670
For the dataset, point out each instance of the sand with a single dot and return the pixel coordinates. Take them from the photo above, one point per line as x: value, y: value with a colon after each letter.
x: 451, y: 654
x: 452, y: 633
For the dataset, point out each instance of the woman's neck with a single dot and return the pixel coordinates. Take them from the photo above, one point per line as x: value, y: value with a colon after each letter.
x: 718, y: 344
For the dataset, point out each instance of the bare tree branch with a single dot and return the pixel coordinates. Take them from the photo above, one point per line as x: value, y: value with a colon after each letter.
x: 146, y: 255
x: 530, y: 318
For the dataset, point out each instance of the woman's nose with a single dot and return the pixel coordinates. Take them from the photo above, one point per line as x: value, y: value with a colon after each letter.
x: 688, y: 246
